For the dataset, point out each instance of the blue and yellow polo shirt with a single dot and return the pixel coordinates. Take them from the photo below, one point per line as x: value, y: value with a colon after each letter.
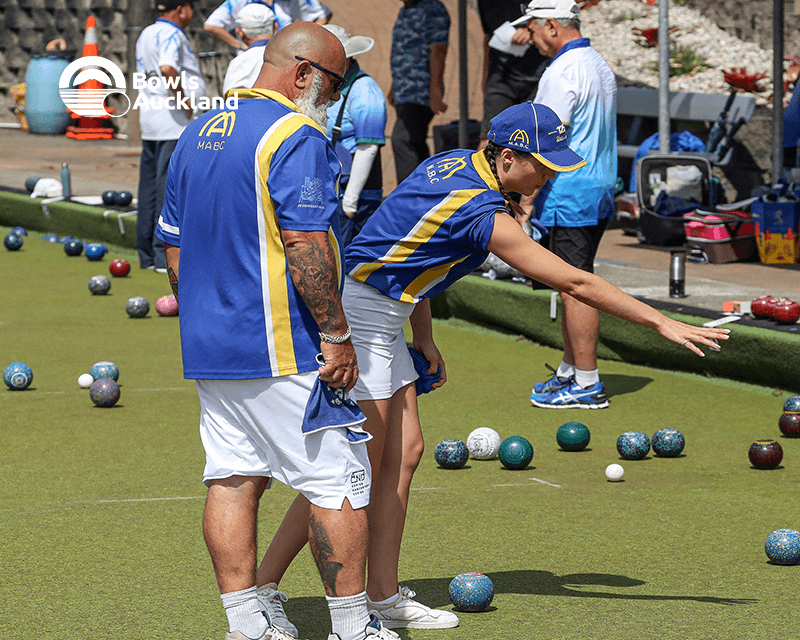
x: 236, y: 178
x: 431, y: 231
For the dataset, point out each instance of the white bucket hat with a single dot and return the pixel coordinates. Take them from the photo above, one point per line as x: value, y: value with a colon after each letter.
x: 353, y: 45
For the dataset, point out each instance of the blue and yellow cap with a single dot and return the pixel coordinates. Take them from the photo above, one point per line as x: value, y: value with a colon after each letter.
x: 536, y: 129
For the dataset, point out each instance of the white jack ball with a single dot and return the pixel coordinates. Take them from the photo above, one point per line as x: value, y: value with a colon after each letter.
x: 614, y: 472
x: 85, y: 380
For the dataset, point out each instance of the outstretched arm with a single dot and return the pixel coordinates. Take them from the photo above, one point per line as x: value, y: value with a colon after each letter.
x: 312, y: 267
x: 512, y: 245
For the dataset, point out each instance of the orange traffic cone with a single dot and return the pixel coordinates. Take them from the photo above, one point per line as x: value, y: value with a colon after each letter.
x: 90, y: 128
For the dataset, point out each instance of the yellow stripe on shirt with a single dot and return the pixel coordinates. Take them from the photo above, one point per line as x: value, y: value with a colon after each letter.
x: 424, y: 230
x: 426, y: 280
x: 337, y: 254
x: 275, y: 279
x: 484, y: 170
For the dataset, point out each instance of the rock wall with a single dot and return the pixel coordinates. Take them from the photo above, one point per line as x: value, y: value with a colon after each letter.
x: 751, y: 20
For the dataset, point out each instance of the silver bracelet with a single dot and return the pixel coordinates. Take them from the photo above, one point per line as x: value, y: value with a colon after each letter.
x: 335, y: 339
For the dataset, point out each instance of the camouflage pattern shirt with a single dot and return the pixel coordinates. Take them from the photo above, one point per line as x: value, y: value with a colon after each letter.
x: 419, y: 25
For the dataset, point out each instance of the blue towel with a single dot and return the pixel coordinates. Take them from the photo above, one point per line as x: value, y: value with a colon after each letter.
x: 539, y: 230
x: 329, y: 408
x: 672, y: 205
x: 425, y: 380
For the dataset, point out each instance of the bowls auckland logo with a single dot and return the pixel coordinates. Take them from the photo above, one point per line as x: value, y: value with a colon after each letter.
x: 89, y: 100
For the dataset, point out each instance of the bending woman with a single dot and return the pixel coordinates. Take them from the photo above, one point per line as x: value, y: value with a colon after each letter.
x: 436, y: 227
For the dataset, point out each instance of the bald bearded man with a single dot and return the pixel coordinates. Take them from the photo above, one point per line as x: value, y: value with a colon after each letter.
x: 249, y: 226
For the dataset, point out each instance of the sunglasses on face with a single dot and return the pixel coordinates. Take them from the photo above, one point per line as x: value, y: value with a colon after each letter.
x: 338, y: 81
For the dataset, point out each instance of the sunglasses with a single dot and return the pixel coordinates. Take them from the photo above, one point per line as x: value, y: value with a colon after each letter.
x: 338, y: 81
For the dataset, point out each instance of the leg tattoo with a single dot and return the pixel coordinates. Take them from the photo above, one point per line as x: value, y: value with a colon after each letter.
x: 322, y: 552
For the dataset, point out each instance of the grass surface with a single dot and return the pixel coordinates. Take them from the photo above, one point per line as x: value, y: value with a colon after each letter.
x: 100, y: 508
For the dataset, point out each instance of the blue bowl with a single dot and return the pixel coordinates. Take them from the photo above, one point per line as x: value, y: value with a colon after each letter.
x: 471, y: 592
x: 633, y: 445
x: 783, y: 546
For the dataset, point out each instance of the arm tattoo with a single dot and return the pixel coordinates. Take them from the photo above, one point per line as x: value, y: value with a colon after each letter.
x: 173, y: 281
x: 313, y: 270
x: 322, y: 551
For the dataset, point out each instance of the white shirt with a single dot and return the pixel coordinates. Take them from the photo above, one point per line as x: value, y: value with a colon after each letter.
x: 581, y: 88
x: 244, y: 69
x: 164, y: 43
x: 286, y: 12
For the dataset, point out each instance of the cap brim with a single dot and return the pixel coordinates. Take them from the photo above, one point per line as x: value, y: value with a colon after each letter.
x: 561, y: 161
x: 521, y: 22
x: 359, y: 45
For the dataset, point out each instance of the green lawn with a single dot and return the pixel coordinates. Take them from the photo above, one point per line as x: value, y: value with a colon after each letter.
x: 100, y: 508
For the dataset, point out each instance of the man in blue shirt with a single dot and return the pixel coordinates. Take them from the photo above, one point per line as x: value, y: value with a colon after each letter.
x: 249, y: 227
x: 419, y: 47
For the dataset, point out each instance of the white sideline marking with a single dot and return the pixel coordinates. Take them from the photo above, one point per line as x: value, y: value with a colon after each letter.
x: 165, y: 389
x: 154, y: 499
x: 44, y: 393
x: 50, y: 393
x: 424, y: 488
x: 513, y: 484
x: 549, y: 484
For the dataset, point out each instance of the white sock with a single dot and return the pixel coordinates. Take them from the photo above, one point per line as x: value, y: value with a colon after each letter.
x: 382, y: 603
x: 565, y: 370
x: 349, y: 615
x: 245, y: 613
x: 586, y: 378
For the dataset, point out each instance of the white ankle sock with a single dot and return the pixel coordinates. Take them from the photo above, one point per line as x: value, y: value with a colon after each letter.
x: 382, y: 603
x: 565, y: 370
x: 586, y: 378
x: 349, y: 615
x: 244, y: 612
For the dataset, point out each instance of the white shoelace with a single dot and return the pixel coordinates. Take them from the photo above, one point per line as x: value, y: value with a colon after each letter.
x: 406, y: 593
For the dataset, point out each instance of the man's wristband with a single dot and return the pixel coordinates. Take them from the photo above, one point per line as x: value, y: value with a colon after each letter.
x: 335, y: 339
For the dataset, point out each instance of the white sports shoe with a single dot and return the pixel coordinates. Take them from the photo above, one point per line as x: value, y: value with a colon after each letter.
x: 271, y: 633
x: 272, y: 600
x: 373, y: 631
x: 405, y: 613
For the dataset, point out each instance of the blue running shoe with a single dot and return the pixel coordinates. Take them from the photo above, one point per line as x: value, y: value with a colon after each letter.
x: 573, y: 397
x: 554, y: 383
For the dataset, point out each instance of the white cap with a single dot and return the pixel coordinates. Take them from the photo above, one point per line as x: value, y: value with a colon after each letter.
x: 353, y: 45
x: 558, y: 9
x: 255, y: 18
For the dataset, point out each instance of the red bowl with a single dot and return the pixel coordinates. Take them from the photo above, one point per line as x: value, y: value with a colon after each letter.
x: 789, y: 424
x: 119, y: 268
x: 773, y: 304
x: 760, y: 306
x: 786, y: 312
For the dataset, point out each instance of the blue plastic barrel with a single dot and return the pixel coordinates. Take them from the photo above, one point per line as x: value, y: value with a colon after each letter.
x: 43, y: 105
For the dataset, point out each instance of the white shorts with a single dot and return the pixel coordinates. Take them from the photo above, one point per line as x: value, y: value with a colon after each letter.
x: 253, y: 428
x: 377, y: 321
